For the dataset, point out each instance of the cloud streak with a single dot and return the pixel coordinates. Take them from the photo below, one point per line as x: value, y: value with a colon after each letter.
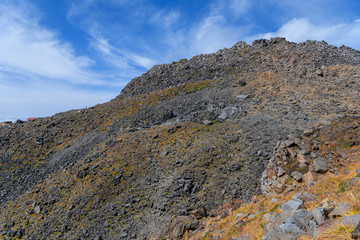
x: 298, y: 30
x: 30, y: 49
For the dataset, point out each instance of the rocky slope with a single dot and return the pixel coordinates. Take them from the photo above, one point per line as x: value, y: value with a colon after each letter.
x: 321, y: 204
x: 180, y: 140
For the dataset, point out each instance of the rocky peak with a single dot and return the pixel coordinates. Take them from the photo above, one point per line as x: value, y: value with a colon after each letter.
x: 261, y: 55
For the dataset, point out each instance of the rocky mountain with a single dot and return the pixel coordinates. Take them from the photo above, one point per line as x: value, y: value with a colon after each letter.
x: 180, y: 141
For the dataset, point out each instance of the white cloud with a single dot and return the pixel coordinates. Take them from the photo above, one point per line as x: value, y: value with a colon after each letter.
x: 213, y: 34
x: 165, y: 18
x: 239, y: 7
x: 122, y: 59
x: 298, y: 30
x: 28, y: 48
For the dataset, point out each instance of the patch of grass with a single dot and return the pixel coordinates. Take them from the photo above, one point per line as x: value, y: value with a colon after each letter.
x: 342, y: 186
x: 274, y: 208
x: 339, y: 232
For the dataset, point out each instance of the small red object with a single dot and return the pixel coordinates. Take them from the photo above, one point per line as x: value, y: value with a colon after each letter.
x: 32, y: 118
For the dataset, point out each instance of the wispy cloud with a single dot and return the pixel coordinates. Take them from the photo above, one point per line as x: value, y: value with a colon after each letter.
x: 28, y: 48
x: 164, y: 18
x: 298, y: 30
x: 213, y: 34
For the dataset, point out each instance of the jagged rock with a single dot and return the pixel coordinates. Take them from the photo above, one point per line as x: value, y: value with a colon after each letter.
x: 319, y: 215
x: 356, y: 233
x: 174, y: 229
x: 228, y: 112
x: 199, y: 213
x: 321, y: 165
x: 309, y: 177
x: 297, y: 175
x: 319, y: 72
x: 340, y: 210
x: 301, y: 218
x: 241, y: 97
x: 301, y: 159
x: 312, y: 229
x: 293, y: 229
x: 328, y: 206
x: 37, y: 209
x: 271, y: 235
x: 351, y: 182
x: 351, y: 221
x: 308, y: 132
x: 291, y: 206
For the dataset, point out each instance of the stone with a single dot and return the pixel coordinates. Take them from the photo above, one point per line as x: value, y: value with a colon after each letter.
x: 289, y: 143
x: 321, y: 165
x: 192, y: 225
x: 308, y: 132
x: 207, y: 122
x: 228, y: 112
x: 319, y: 214
x: 328, y: 207
x: 271, y: 235
x: 296, y: 175
x: 238, y: 215
x: 123, y: 235
x: 292, y: 228
x: 356, y: 233
x: 300, y: 157
x: 174, y: 229
x: 325, y: 226
x: 241, y: 97
x: 351, y: 182
x: 291, y: 206
x: 311, y: 183
x: 199, y: 213
x: 243, y: 237
x: 37, y: 209
x: 319, y: 72
x: 280, y: 172
x: 164, y: 153
x: 325, y: 122
x: 340, y: 210
x: 310, y: 176
x: 312, y: 230
x: 301, y: 218
x: 274, y: 200
x: 351, y: 221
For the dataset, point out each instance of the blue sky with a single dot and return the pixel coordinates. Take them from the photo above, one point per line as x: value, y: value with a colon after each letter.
x: 60, y: 55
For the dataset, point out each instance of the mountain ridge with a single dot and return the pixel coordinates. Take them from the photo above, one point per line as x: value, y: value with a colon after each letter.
x: 182, y: 137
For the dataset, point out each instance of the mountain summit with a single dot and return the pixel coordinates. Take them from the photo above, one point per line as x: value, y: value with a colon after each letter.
x: 180, y: 141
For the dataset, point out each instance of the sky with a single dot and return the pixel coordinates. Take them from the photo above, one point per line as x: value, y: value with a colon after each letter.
x: 68, y: 54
